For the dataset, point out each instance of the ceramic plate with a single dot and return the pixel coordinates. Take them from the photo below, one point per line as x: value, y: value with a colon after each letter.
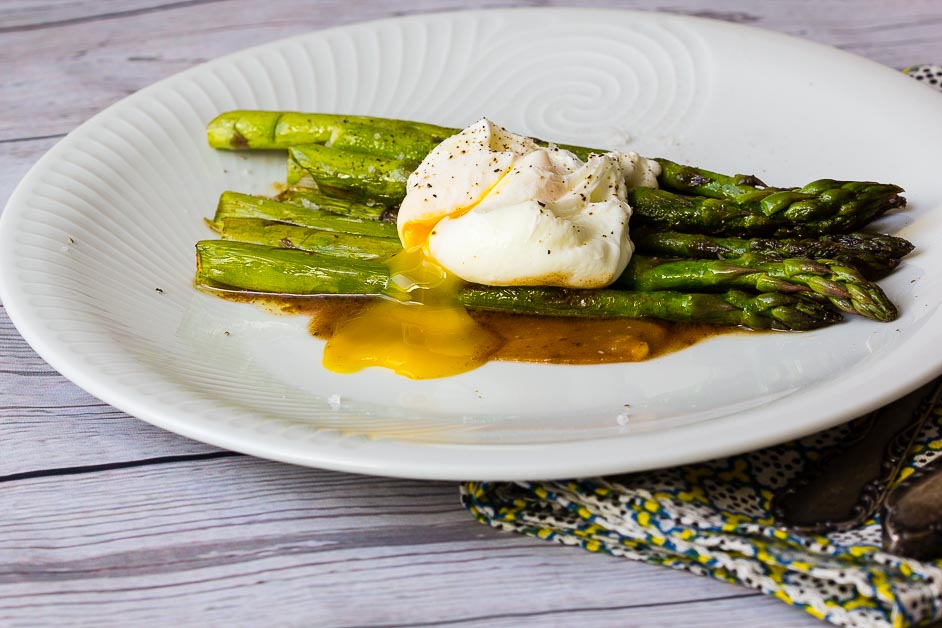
x: 96, y: 244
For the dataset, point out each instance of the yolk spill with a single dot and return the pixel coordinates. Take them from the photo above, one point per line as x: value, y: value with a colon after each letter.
x: 420, y: 332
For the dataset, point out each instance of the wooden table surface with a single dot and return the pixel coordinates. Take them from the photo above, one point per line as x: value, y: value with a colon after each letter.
x: 106, y: 520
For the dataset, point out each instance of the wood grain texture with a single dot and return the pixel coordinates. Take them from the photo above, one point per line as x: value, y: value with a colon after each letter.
x: 109, y: 521
x: 236, y: 538
x: 90, y: 54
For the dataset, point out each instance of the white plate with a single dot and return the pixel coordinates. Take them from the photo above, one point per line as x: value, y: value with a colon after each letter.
x: 111, y: 213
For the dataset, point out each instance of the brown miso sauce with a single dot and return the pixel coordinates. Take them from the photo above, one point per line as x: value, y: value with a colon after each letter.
x: 555, y: 340
x: 527, y: 338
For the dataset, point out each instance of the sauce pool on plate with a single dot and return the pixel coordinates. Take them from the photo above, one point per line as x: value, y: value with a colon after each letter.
x: 528, y: 338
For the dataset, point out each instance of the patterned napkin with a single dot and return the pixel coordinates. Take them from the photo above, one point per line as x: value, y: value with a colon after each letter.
x: 715, y: 518
x: 930, y: 74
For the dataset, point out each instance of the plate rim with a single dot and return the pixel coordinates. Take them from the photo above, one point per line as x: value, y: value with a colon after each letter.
x: 419, y: 459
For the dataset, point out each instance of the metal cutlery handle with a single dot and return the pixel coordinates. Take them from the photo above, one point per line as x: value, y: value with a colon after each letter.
x: 850, y: 483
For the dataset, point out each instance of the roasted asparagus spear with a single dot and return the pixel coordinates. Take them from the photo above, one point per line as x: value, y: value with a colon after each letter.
x: 263, y: 269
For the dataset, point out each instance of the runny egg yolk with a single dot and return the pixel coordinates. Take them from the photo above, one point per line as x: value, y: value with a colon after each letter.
x: 422, y: 332
x: 415, y: 233
x: 498, y: 209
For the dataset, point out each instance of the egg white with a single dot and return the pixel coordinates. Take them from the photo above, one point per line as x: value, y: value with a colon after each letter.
x: 496, y: 208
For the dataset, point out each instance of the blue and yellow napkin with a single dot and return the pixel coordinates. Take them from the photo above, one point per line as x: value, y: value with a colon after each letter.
x: 715, y: 518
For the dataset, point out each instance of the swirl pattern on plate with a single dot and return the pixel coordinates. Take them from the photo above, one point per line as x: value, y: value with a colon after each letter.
x: 573, y: 78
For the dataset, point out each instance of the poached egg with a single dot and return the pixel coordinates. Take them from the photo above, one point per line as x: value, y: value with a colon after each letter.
x: 496, y: 208
x: 490, y: 207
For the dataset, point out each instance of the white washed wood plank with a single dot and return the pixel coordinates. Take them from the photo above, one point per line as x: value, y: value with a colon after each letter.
x: 66, y: 73
x: 25, y: 14
x: 246, y: 541
x: 754, y: 612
